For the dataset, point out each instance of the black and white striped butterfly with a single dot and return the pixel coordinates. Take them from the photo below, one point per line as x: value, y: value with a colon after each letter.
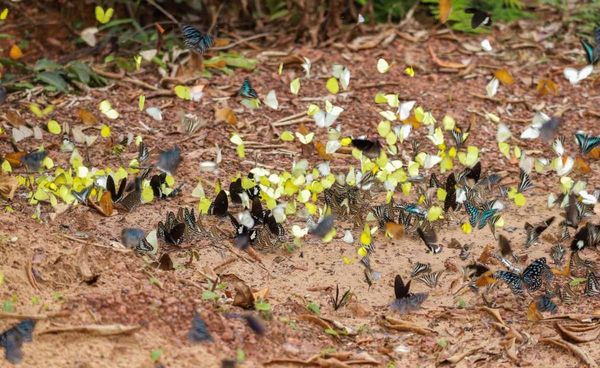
x: 196, y: 40
x: 143, y: 153
x: 524, y: 182
x: 557, y: 253
x: 158, y: 182
x: 82, y: 195
x: 172, y: 231
x: 430, y: 279
x: 419, y: 268
x: 479, y: 17
x: 545, y: 304
x: 191, y: 123
x: 531, y: 278
x: 592, y: 285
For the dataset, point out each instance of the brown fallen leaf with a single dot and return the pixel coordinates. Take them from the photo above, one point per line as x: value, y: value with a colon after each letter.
x: 83, y: 263
x: 444, y: 64
x: 578, y: 333
x: 316, y: 320
x: 243, y: 296
x: 511, y: 349
x: 460, y: 356
x: 102, y: 330
x: 400, y: 325
x: 226, y: 115
x: 8, y: 186
x: 494, y: 313
x: 445, y: 10
x: 573, y: 349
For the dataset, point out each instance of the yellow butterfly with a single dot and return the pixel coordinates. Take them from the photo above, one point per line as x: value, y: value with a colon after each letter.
x: 103, y: 16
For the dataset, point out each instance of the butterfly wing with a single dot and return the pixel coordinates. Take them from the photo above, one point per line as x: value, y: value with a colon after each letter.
x: 504, y: 245
x: 246, y: 90
x: 474, y: 172
x: 511, y: 279
x: 400, y: 289
x: 590, y: 53
x: 323, y: 228
x: 473, y: 212
x: 524, y: 182
x: 235, y: 190
x: 592, y: 284
x: 535, y: 273
x: 450, y: 200
x: 429, y: 237
x: 220, y: 205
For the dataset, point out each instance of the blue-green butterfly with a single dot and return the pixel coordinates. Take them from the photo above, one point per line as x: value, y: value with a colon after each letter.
x: 592, y: 53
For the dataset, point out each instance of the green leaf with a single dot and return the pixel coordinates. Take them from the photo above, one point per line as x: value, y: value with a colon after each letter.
x: 46, y: 65
x: 81, y: 70
x: 331, y: 331
x: 576, y: 281
x: 8, y: 306
x: 156, y: 354
x: 209, y: 295
x: 262, y: 306
x: 240, y: 355
x: 53, y: 79
x: 314, y: 307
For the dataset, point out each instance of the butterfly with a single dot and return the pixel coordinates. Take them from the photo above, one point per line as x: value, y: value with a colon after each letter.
x: 191, y: 123
x: 323, y: 227
x: 188, y: 217
x: 172, y: 231
x: 115, y: 194
x: 338, y: 302
x: 592, y: 53
x: 586, y: 142
x: 199, y: 331
x: 572, y: 213
x: 473, y: 213
x: 258, y: 213
x: 565, y: 293
x: 592, y: 285
x: 370, y: 148
x: 143, y: 153
x: 430, y: 239
x: 244, y: 236
x: 434, y: 182
x: 524, y: 182
x: 532, y: 277
x: 545, y: 304
x: 534, y: 232
x: 557, y: 253
x: 13, y: 338
x: 133, y: 199
x: 460, y: 135
x: 383, y: 213
x: 220, y: 205
x: 131, y: 237
x: 246, y: 89
x: 419, y: 268
x: 450, y: 200
x: 589, y: 235
x: 195, y: 40
x: 505, y: 248
x: 157, y: 182
x: 476, y: 270
x: 430, y: 279
x: 168, y: 161
x: 474, y: 172
x: 33, y: 160
x: 479, y: 17
x: 83, y: 195
x: 405, y: 300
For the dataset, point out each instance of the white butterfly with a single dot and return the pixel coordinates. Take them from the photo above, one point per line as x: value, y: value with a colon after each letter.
x: 361, y: 19
x: 271, y: 100
x: 533, y: 130
x: 332, y: 146
x: 324, y: 119
x: 503, y: 133
x: 486, y: 46
x: 403, y: 131
x: 405, y: 109
x: 306, y: 66
x: 492, y: 87
x: 155, y: 113
x: 575, y: 76
x: 558, y: 147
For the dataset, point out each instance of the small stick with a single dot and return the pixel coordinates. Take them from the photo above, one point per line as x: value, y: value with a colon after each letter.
x: 33, y: 316
x: 123, y: 250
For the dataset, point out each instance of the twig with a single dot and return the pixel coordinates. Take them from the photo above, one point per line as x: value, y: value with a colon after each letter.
x: 291, y: 117
x: 33, y: 316
x: 82, y: 241
x: 228, y: 261
x: 30, y: 277
x: 243, y: 40
x: 378, y: 84
x: 102, y: 330
x: 162, y: 10
x: 292, y: 122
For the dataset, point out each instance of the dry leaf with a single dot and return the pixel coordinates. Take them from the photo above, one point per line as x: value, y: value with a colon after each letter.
x: 227, y: 115
x: 504, y: 77
x: 14, y: 158
x: 400, y: 325
x: 445, y: 9
x: 546, y: 86
x: 572, y: 348
x: 8, y: 186
x: 579, y: 333
x: 87, y: 117
x: 486, y: 254
x: 14, y: 118
x: 444, y: 64
x: 83, y: 263
x: 261, y: 294
x: 243, y: 296
x: 533, y: 314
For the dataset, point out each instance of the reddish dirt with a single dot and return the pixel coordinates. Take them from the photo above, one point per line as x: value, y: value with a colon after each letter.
x: 125, y: 293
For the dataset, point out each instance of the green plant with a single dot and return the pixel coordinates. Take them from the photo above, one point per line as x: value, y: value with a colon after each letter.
x: 314, y: 307
x: 504, y: 11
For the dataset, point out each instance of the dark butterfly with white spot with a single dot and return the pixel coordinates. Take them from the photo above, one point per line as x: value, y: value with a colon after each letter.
x: 534, y: 232
x: 531, y: 278
x: 586, y: 142
x: 157, y: 183
x: 244, y: 236
x: 370, y: 148
x: 429, y: 237
x: 196, y: 40
x: 82, y: 195
x: 592, y: 53
x: 479, y: 17
x: 405, y: 300
x: 235, y: 190
x: 246, y: 89
x: 587, y: 236
x: 13, y: 338
x: 199, y: 331
x: 473, y: 173
x: 219, y: 207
